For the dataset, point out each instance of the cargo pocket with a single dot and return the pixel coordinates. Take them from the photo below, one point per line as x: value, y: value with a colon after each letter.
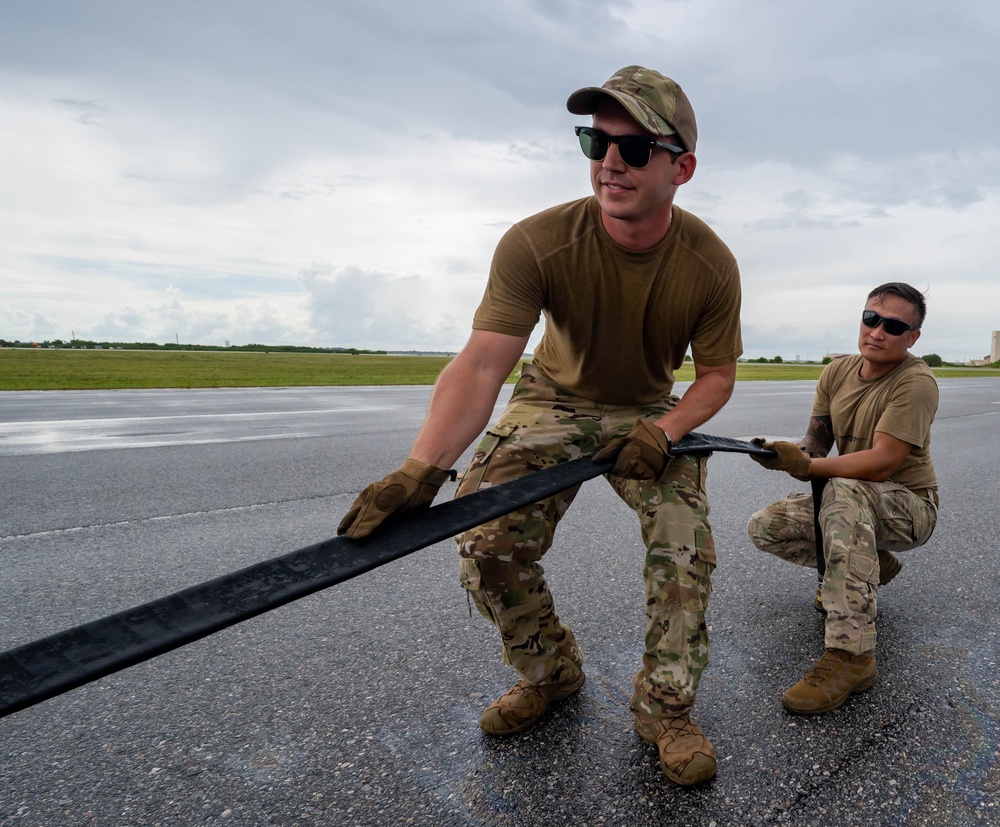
x: 468, y: 574
x: 863, y: 559
x: 471, y: 580
x: 705, y: 545
x: 473, y: 478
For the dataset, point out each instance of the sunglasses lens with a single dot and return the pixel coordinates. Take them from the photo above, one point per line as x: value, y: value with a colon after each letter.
x: 634, y: 150
x: 894, y: 327
x: 593, y: 144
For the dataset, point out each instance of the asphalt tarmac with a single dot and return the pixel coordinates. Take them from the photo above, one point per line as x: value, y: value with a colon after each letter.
x: 359, y: 705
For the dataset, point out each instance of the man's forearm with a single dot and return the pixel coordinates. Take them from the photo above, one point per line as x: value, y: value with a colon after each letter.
x: 460, y: 408
x: 819, y: 438
x: 703, y: 400
x: 861, y: 465
x: 464, y: 396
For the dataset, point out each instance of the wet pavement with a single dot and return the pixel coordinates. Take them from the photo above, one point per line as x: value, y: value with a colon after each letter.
x: 360, y: 705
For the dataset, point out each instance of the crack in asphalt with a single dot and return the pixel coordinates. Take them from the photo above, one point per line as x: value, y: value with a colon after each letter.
x: 135, y: 521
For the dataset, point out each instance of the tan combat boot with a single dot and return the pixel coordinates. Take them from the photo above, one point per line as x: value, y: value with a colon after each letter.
x: 523, y: 704
x: 686, y: 755
x: 835, y: 677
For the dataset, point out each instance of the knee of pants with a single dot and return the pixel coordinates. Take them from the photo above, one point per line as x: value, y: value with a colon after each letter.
x: 678, y: 579
x: 787, y: 521
x: 756, y: 529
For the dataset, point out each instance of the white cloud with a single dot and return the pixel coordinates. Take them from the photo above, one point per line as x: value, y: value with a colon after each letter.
x: 303, y: 173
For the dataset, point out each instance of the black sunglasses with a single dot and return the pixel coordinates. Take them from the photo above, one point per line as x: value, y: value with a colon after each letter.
x: 634, y: 149
x: 894, y: 327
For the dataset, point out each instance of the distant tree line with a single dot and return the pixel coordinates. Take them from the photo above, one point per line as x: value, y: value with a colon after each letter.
x: 85, y: 344
x: 931, y: 359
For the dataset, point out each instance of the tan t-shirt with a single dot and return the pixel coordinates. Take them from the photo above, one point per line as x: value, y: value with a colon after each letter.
x: 902, y: 404
x: 617, y: 322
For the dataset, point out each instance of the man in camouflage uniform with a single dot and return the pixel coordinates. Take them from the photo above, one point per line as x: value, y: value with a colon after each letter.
x: 881, y: 496
x: 627, y: 282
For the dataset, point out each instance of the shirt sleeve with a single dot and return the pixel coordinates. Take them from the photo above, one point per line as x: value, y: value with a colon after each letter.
x: 514, y: 297
x: 821, y: 401
x: 718, y: 339
x: 910, y: 412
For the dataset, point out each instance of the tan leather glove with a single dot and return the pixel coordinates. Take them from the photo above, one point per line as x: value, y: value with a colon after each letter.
x: 790, y: 458
x: 412, y: 485
x: 642, y: 454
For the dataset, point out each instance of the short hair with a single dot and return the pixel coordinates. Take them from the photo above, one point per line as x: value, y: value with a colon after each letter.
x: 904, y: 291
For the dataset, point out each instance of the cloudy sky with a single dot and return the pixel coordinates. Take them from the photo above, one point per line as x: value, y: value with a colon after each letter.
x: 326, y: 173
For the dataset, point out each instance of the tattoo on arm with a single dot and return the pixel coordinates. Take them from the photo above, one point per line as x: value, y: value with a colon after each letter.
x: 819, y: 438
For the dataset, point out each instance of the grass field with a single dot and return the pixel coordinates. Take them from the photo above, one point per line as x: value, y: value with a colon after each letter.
x: 43, y: 369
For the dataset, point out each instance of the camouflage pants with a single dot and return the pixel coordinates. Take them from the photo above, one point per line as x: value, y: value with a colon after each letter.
x: 500, y: 561
x: 857, y: 518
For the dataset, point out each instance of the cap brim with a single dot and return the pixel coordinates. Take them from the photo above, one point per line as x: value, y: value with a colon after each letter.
x: 586, y: 101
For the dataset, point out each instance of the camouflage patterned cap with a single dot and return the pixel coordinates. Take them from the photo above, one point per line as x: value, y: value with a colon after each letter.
x: 656, y: 102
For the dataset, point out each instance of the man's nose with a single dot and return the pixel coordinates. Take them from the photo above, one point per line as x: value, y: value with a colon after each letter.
x: 613, y: 159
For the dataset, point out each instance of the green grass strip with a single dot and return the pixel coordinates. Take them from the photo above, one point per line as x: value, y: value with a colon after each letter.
x: 63, y: 369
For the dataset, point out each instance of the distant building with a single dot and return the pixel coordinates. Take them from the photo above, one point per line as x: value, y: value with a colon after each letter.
x: 995, y: 347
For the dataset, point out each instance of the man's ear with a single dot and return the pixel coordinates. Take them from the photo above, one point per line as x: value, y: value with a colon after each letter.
x: 684, y: 168
x: 914, y: 335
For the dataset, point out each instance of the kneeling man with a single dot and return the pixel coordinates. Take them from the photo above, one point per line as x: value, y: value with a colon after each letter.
x: 881, y: 495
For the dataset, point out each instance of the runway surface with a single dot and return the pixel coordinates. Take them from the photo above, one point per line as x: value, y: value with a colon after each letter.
x: 360, y: 705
